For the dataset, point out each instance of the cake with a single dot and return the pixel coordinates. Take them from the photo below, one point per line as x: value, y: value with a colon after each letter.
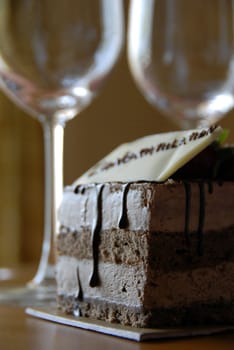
x: 151, y: 253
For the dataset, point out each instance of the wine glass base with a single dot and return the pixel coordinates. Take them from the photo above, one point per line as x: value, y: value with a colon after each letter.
x: 29, y: 295
x: 6, y: 274
x: 18, y: 289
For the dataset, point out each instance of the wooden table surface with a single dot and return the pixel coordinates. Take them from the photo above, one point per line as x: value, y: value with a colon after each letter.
x: 19, y: 331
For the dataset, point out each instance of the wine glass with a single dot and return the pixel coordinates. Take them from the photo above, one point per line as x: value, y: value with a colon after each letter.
x: 54, y: 58
x: 181, y: 56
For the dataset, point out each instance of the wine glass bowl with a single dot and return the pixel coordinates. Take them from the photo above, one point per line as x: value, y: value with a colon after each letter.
x: 54, y: 63
x: 181, y: 56
x: 54, y: 59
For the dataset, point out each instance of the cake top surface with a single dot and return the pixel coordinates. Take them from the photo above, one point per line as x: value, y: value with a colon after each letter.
x: 151, y: 158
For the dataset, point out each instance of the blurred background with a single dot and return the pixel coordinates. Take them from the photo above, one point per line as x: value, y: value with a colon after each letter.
x: 118, y: 114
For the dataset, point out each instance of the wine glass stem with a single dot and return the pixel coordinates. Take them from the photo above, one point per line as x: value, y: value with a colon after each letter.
x: 53, y: 148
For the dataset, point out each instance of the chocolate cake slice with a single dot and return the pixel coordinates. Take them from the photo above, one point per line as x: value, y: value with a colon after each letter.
x: 149, y: 254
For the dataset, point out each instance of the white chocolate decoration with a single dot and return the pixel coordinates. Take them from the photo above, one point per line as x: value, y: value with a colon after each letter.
x: 151, y: 158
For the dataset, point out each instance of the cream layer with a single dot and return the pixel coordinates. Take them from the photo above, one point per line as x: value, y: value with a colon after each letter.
x: 129, y: 285
x: 118, y: 283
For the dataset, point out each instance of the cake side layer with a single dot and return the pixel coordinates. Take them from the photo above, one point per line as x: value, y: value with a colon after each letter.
x: 79, y: 206
x: 207, y: 204
x: 219, y: 313
x: 163, y: 251
x: 119, y: 246
x: 177, y: 251
x: 150, y: 206
x: 134, y: 286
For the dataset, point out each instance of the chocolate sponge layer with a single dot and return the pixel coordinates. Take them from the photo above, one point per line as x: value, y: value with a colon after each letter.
x: 161, y: 251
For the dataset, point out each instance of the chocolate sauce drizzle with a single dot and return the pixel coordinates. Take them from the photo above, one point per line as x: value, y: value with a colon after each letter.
x: 95, y: 232
x: 95, y: 236
x: 187, y: 187
x: 78, y: 296
x: 80, y: 291
x: 201, y: 218
x: 210, y: 187
x: 123, y: 223
x: 123, y: 220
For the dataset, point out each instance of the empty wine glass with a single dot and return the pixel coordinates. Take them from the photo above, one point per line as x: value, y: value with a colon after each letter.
x: 54, y: 57
x: 181, y: 55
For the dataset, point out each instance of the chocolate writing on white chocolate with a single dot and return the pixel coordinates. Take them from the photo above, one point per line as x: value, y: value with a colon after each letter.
x: 150, y: 151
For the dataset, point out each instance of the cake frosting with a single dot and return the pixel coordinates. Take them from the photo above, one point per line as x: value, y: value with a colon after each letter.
x: 147, y: 253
